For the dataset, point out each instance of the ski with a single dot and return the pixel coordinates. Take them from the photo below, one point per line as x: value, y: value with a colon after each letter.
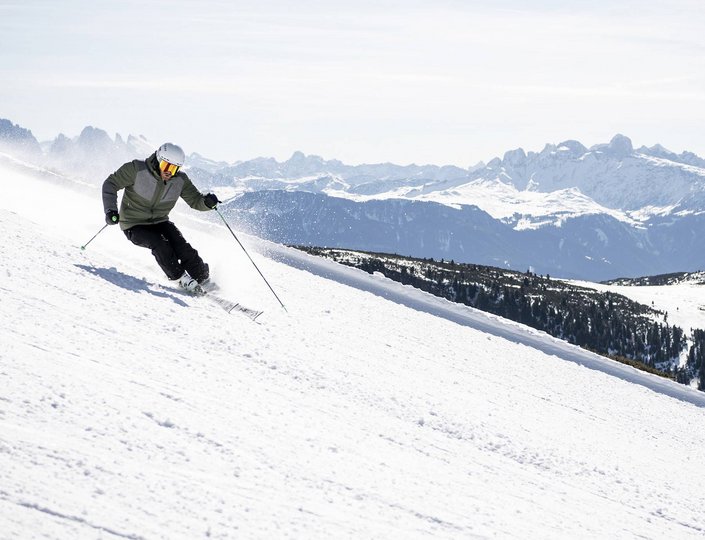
x: 230, y: 306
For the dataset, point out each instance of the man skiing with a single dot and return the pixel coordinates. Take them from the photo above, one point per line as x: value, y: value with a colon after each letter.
x: 152, y: 188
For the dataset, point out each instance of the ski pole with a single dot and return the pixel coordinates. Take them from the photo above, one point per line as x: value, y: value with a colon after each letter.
x: 96, y: 234
x: 248, y: 256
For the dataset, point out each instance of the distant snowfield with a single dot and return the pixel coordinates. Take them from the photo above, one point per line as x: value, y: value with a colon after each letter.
x: 683, y: 303
x: 503, y: 201
x: 128, y: 410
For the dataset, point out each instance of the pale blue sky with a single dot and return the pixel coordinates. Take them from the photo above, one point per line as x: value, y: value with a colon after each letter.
x: 445, y: 82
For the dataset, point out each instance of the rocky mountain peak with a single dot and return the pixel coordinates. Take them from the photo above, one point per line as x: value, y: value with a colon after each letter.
x: 515, y: 158
x: 18, y: 139
x: 621, y: 145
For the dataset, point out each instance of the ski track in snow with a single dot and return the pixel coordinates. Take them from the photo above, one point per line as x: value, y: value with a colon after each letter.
x: 127, y: 411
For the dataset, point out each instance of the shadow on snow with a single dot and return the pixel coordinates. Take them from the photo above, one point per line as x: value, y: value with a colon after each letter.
x: 128, y: 282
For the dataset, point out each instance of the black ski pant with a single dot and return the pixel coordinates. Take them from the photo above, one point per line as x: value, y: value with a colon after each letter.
x: 173, y: 253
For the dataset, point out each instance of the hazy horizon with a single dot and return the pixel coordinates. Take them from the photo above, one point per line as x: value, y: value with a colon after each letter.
x: 415, y: 82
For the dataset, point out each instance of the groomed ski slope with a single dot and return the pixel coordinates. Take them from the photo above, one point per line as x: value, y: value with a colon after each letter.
x: 131, y: 411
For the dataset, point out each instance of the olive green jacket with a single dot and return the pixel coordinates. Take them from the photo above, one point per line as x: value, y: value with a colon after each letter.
x: 147, y: 198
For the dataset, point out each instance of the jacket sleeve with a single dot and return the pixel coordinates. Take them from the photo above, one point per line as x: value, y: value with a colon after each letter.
x: 192, y: 196
x: 123, y: 177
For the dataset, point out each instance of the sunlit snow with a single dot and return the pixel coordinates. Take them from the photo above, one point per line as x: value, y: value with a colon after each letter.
x: 369, y: 410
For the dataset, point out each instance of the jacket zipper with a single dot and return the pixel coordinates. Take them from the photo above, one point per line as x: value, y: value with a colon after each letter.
x: 157, y: 196
x: 168, y: 187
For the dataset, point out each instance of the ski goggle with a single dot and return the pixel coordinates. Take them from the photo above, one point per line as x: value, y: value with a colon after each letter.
x: 165, y: 166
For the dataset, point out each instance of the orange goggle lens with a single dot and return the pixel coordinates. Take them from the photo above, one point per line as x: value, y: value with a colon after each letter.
x: 165, y: 166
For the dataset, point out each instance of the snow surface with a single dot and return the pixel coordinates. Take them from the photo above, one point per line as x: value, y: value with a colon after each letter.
x: 503, y: 200
x: 370, y: 410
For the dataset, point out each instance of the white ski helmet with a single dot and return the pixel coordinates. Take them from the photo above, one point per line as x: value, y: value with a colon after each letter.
x: 171, y: 154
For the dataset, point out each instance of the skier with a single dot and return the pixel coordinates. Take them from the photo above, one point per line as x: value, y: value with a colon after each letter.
x: 152, y: 188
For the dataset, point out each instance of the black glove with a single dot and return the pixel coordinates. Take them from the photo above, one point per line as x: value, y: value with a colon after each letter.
x: 112, y: 217
x: 210, y: 200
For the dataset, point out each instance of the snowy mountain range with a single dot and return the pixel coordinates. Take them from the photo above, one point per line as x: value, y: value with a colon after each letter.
x: 605, y: 212
x: 595, y: 213
x: 91, y: 156
x: 368, y: 409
